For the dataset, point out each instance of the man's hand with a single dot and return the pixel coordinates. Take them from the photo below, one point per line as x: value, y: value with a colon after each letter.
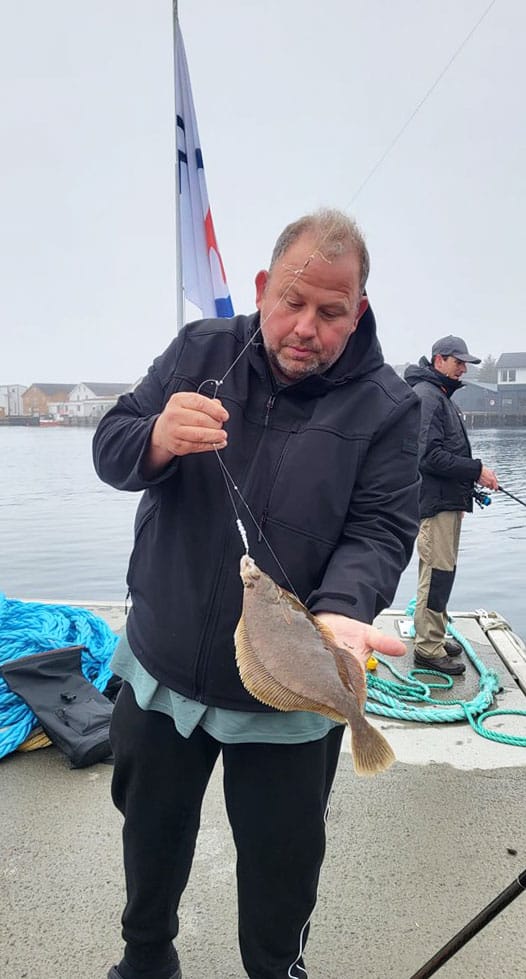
x: 488, y: 479
x: 190, y: 422
x: 362, y: 639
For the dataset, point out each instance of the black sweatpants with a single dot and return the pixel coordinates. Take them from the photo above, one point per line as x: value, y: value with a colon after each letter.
x: 276, y: 798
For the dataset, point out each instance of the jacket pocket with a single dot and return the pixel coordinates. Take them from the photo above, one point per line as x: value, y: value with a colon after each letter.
x: 140, y: 529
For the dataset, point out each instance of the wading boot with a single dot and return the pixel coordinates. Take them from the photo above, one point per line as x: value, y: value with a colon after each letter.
x: 453, y: 648
x: 443, y: 664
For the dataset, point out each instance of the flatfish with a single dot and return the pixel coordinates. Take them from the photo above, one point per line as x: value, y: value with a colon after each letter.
x: 290, y: 661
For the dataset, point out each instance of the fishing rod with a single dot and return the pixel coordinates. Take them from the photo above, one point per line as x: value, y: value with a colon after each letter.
x: 511, y: 496
x: 470, y: 930
x: 483, y: 499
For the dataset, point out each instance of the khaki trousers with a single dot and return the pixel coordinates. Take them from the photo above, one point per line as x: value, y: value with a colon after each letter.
x: 437, y: 546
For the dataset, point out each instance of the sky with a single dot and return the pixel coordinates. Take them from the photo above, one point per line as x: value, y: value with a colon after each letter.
x: 296, y: 103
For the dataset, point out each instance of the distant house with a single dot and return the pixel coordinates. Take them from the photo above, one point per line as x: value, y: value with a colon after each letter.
x: 88, y: 400
x: 11, y: 399
x: 503, y: 403
x: 511, y: 369
x: 478, y: 396
x: 511, y: 383
x: 89, y: 390
x: 36, y: 398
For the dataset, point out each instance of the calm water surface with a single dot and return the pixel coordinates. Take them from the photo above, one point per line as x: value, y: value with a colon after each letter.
x: 64, y: 535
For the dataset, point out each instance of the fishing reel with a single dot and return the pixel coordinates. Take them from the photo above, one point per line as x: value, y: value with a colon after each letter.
x: 481, y: 499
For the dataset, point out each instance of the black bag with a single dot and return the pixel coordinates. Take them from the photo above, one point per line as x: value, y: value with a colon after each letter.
x: 72, y: 712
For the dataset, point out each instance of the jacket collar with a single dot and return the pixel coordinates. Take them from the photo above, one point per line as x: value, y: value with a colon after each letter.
x: 424, y: 371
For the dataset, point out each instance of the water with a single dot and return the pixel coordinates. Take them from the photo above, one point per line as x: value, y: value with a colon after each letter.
x: 66, y: 536
x: 63, y: 533
x: 491, y: 562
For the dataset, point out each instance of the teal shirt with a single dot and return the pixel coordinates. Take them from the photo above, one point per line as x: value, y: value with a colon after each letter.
x: 228, y: 726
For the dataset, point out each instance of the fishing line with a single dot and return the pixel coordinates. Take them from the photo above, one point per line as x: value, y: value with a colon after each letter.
x: 299, y: 272
x: 365, y: 181
x: 239, y: 523
x: 511, y: 496
x: 215, y: 386
x: 284, y: 294
x: 227, y: 476
x: 424, y: 99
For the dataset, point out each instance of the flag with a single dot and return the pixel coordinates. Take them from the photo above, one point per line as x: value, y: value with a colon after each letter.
x: 203, y: 276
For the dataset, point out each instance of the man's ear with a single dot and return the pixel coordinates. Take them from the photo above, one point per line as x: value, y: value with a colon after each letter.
x: 261, y: 284
x: 363, y: 305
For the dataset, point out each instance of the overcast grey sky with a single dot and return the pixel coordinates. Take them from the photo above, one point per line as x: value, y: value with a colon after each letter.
x: 296, y: 101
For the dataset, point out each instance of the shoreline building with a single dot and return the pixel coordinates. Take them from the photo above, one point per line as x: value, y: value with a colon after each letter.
x: 87, y: 401
x: 37, y: 397
x: 11, y: 399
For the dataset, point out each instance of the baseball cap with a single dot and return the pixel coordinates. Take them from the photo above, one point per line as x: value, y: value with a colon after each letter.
x: 451, y: 346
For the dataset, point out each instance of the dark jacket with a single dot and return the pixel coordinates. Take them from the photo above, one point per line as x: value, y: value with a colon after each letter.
x: 447, y: 467
x: 328, y: 467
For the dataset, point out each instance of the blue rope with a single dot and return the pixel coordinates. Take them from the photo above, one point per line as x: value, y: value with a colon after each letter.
x: 398, y: 699
x: 32, y: 627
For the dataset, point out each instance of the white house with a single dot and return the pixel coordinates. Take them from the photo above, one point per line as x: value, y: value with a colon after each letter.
x: 511, y: 368
x: 11, y: 399
x: 89, y: 400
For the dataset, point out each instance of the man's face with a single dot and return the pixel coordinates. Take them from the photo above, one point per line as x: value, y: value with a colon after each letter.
x: 450, y: 366
x: 308, y: 318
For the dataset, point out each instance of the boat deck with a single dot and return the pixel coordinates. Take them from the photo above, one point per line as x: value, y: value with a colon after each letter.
x: 412, y: 855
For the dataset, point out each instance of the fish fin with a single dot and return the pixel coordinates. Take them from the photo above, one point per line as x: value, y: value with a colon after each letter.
x: 352, y: 674
x: 263, y: 685
x: 292, y: 600
x: 285, y: 607
x: 288, y: 603
x: 257, y: 679
x: 371, y: 752
x: 324, y: 630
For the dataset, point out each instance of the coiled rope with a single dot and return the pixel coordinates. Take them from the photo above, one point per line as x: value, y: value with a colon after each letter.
x: 31, y: 627
x: 397, y: 698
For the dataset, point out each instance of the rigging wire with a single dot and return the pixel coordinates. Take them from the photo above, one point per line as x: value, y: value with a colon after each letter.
x: 299, y: 272
x: 423, y: 100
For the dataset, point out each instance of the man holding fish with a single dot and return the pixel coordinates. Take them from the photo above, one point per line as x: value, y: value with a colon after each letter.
x: 318, y: 437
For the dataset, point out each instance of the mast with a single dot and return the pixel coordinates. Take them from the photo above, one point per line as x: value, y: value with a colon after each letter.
x: 178, y: 249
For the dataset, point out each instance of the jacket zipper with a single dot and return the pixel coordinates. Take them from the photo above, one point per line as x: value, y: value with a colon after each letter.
x: 264, y: 516
x: 269, y: 407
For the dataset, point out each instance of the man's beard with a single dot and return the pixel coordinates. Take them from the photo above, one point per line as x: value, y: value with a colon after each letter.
x: 296, y: 370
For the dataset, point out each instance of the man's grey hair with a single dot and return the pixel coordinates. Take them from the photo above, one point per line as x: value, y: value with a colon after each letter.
x: 337, y: 234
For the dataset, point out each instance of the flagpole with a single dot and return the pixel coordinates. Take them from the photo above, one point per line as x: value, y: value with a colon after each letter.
x: 200, y: 274
x: 178, y: 246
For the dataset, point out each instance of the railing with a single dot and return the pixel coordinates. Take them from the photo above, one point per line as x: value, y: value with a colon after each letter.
x: 494, y: 419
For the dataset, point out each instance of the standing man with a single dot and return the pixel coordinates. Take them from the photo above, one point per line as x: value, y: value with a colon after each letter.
x: 448, y: 476
x: 321, y: 438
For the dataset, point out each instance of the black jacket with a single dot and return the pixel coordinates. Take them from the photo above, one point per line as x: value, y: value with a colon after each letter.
x: 328, y: 467
x: 447, y: 467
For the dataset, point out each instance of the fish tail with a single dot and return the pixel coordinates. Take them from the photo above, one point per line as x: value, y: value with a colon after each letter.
x: 371, y: 752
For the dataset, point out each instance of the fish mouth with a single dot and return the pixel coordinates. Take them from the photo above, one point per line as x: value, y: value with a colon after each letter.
x: 249, y: 571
